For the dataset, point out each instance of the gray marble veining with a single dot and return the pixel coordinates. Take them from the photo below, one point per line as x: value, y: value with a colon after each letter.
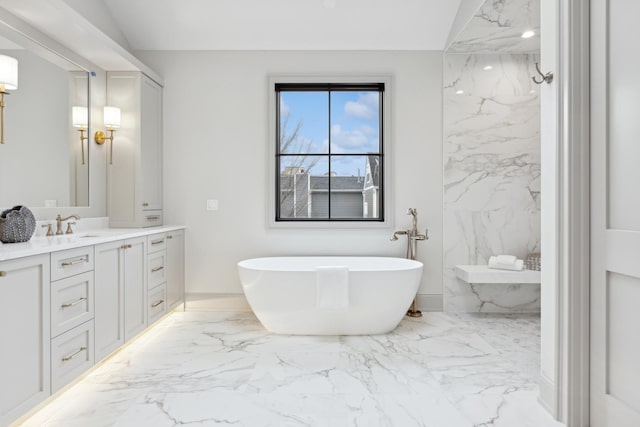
x: 491, y: 176
x: 211, y: 369
x: 498, y: 26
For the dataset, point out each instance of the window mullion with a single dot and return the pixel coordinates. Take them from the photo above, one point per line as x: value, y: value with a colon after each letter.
x: 329, y: 156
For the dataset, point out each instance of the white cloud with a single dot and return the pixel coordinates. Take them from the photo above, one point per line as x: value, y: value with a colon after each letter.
x: 284, y: 108
x: 357, y: 140
x: 366, y: 107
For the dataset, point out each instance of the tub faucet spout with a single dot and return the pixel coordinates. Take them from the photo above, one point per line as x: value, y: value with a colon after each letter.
x: 398, y: 233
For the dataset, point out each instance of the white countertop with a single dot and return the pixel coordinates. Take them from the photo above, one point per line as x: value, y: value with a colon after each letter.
x: 484, y: 274
x: 42, y: 244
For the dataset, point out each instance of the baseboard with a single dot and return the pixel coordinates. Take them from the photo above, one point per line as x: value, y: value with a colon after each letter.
x: 216, y: 302
x: 238, y: 302
x: 426, y: 302
x: 547, y: 397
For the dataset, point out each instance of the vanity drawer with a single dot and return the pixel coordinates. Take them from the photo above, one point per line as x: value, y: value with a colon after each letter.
x: 157, y: 303
x: 71, y: 262
x: 71, y: 302
x: 157, y: 269
x: 156, y: 243
x: 151, y: 218
x: 71, y: 355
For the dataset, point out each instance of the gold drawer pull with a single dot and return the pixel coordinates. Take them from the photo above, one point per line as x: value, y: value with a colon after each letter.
x: 169, y: 236
x: 71, y: 356
x: 74, y: 262
x: 76, y: 302
x: 157, y: 303
x: 145, y: 204
x: 3, y: 273
x: 157, y: 242
x: 153, y: 270
x: 153, y: 217
x: 126, y: 247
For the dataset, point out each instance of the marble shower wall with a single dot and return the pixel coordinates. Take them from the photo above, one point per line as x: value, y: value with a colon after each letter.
x: 497, y: 27
x: 491, y: 175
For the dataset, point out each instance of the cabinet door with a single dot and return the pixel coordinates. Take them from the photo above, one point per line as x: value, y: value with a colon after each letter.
x: 135, y: 287
x: 123, y: 90
x: 175, y: 268
x: 25, y: 376
x: 109, y: 298
x: 151, y: 144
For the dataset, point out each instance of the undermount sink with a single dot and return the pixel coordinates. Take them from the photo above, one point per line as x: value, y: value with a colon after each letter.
x: 91, y: 235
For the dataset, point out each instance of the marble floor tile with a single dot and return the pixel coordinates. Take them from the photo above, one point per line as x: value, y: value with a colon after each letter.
x: 214, y: 369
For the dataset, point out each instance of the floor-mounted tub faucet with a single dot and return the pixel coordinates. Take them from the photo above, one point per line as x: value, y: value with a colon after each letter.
x: 413, y: 236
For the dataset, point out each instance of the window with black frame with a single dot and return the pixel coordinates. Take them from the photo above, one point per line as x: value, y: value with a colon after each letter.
x: 329, y: 152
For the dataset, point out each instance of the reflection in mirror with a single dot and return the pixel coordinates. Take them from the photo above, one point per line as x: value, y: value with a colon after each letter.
x: 45, y: 159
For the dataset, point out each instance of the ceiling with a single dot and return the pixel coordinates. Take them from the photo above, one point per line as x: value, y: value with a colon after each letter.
x: 284, y: 24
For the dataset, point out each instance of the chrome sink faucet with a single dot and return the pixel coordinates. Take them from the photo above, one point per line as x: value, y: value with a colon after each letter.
x: 59, y: 220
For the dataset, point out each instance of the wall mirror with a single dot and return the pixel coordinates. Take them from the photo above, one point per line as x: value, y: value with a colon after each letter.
x: 44, y: 161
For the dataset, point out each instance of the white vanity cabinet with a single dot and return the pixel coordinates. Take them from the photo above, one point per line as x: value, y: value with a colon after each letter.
x: 72, y: 311
x: 175, y: 268
x: 25, y: 376
x: 135, y: 287
x: 109, y: 298
x: 156, y: 276
x: 67, y: 309
x: 135, y: 173
x: 120, y: 293
x: 165, y: 272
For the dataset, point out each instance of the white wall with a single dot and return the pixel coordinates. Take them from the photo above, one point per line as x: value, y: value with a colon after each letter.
x: 216, y: 147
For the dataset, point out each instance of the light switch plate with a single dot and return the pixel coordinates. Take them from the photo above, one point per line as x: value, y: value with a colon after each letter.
x: 212, y: 205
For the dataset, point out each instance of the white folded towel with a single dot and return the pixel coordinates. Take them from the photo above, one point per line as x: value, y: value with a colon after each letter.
x: 332, y: 287
x: 494, y: 262
x: 506, y: 259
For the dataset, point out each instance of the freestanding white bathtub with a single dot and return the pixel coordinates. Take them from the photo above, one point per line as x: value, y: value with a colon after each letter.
x: 282, y: 292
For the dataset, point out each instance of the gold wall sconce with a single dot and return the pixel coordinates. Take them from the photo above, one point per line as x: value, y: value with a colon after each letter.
x: 111, y: 122
x: 80, y: 120
x: 8, y: 80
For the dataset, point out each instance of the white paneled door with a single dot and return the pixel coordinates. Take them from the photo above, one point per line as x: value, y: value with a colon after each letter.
x: 615, y: 213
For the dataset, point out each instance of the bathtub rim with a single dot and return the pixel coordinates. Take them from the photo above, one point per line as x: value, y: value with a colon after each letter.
x: 401, y: 264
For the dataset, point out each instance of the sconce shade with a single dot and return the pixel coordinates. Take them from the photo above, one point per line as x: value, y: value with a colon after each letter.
x: 80, y: 117
x: 111, y: 117
x: 8, y: 72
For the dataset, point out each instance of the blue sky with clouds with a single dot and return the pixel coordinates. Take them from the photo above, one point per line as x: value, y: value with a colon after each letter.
x: 354, y: 126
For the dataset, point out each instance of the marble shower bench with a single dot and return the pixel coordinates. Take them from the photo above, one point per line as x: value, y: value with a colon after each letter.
x: 484, y: 274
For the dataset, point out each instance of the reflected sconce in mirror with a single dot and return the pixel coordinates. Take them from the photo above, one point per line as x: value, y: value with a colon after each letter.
x: 80, y: 120
x: 111, y: 122
x: 8, y: 80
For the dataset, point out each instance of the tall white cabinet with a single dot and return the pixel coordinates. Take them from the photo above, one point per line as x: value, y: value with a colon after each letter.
x: 24, y: 335
x: 135, y: 172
